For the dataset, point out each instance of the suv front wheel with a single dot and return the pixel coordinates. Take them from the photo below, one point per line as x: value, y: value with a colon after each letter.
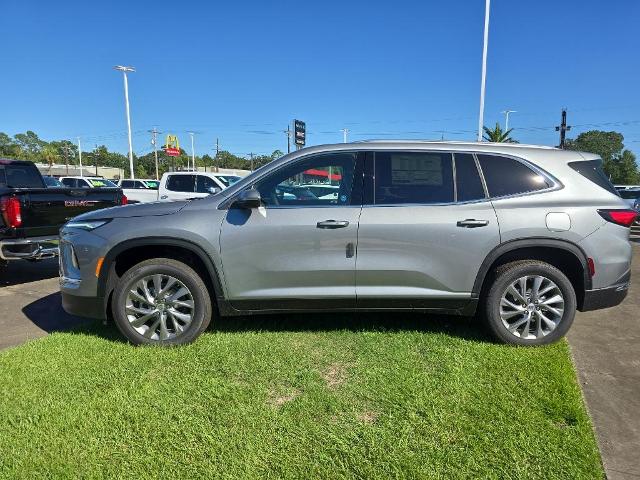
x: 161, y: 302
x: 530, y: 303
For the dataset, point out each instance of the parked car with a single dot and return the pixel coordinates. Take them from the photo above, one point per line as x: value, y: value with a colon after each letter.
x: 33, y: 213
x: 522, y: 235
x: 186, y: 185
x: 139, y: 191
x: 631, y: 196
x: 87, y: 182
x: 52, y: 182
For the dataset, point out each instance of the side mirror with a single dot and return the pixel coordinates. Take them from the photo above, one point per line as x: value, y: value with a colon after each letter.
x: 214, y: 190
x: 249, y: 198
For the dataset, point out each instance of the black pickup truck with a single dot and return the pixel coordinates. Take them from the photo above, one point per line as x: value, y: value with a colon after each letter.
x: 32, y: 214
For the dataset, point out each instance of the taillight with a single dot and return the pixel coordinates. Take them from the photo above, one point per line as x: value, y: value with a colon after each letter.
x: 623, y: 218
x: 125, y: 200
x: 10, y: 208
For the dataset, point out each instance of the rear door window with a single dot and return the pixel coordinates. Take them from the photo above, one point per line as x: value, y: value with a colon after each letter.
x: 413, y: 177
x: 181, y: 183
x: 592, y: 170
x: 21, y: 176
x: 126, y: 184
x: 69, y: 182
x: 468, y: 183
x: 507, y: 176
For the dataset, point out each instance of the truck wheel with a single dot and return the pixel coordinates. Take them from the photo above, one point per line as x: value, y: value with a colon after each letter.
x: 161, y: 302
x: 529, y: 303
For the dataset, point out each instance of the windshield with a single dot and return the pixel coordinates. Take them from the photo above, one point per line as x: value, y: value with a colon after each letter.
x: 52, y: 182
x: 629, y: 194
x: 228, y: 180
x: 101, y: 183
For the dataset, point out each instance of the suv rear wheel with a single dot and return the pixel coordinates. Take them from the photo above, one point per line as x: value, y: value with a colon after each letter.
x: 530, y: 303
x: 161, y: 302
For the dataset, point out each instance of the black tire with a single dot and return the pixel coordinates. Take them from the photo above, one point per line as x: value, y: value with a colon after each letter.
x: 509, y: 273
x: 201, y: 300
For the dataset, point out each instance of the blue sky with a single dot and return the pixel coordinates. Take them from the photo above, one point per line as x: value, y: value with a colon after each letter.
x: 240, y: 71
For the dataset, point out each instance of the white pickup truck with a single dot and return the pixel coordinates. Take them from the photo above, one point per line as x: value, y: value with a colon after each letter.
x: 140, y: 190
x: 185, y: 185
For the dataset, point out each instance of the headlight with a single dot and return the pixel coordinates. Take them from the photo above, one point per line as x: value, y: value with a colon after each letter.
x: 87, y: 225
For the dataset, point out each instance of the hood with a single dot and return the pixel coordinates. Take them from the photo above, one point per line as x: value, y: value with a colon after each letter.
x: 153, y: 209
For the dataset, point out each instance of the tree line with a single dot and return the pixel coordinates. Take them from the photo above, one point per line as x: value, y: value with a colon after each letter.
x: 29, y: 146
x: 619, y: 163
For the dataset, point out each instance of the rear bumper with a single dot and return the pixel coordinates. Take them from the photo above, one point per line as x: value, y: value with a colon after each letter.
x: 29, y: 248
x: 88, y: 307
x: 606, y: 297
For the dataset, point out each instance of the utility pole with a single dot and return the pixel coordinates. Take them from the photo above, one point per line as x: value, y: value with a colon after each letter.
x: 95, y: 158
x: 484, y: 67
x: 344, y: 131
x: 193, y: 152
x: 215, y: 162
x: 506, y: 118
x: 80, y: 156
x: 154, y: 142
x: 65, y: 149
x: 251, y: 157
x: 288, y: 133
x: 563, y: 128
x: 124, y: 71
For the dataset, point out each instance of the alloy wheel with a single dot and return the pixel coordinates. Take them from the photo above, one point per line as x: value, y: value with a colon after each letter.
x: 159, y: 307
x: 531, y: 307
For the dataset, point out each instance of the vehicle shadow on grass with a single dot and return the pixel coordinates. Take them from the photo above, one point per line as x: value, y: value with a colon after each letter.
x: 396, y: 321
x: 47, y: 313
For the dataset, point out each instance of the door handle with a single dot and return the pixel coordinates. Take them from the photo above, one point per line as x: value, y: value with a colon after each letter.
x: 162, y: 197
x: 332, y: 224
x: 472, y: 223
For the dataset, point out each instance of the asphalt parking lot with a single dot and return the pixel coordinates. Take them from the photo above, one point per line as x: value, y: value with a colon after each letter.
x: 604, y: 344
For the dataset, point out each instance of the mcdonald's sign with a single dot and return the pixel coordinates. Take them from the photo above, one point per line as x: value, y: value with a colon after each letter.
x: 172, y: 146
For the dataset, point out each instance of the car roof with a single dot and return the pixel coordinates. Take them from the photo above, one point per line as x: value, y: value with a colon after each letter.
x: 542, y: 155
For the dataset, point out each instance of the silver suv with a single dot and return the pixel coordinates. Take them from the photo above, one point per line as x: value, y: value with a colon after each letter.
x: 522, y: 236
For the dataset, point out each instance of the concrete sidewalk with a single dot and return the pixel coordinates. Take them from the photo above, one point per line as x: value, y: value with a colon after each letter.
x: 606, y: 350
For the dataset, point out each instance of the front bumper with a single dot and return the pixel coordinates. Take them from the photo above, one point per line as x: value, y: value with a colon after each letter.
x: 29, y: 248
x: 606, y: 297
x: 89, y: 307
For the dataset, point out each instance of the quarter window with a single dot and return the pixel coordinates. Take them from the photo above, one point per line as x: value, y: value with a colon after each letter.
x: 506, y: 176
x: 181, y: 183
x: 468, y: 183
x: 408, y: 177
x: 297, y: 185
x: 205, y: 184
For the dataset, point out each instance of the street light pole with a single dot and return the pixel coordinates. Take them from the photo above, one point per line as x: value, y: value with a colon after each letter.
x: 193, y: 153
x: 344, y: 131
x: 506, y: 119
x: 484, y: 68
x: 80, y: 156
x: 124, y: 71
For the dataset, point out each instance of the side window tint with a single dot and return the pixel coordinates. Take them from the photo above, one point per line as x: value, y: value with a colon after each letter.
x: 468, y: 183
x: 126, y: 184
x: 68, y: 182
x: 506, y: 176
x: 181, y: 183
x: 323, y: 180
x: 406, y: 177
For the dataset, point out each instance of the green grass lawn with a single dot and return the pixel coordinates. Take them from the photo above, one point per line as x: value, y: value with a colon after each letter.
x: 334, y: 396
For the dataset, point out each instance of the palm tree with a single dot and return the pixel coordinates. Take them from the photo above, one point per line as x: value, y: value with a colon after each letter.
x: 50, y: 154
x: 498, y: 135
